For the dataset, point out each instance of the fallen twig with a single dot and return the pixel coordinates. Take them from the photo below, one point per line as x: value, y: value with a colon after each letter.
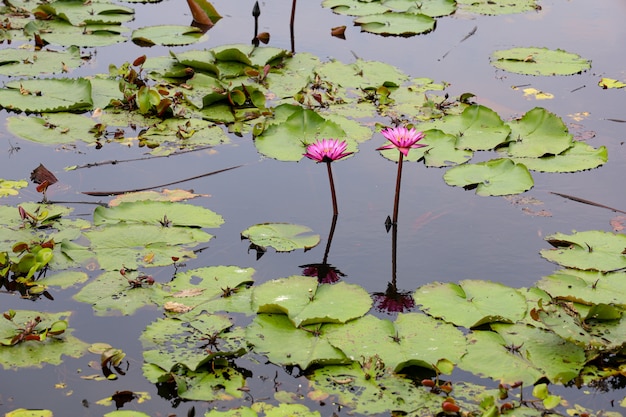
x: 109, y: 193
x: 582, y: 200
x: 145, y: 158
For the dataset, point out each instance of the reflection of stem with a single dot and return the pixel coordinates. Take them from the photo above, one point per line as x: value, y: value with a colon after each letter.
x: 397, y: 200
x: 256, y: 12
x: 394, y: 245
x: 332, y: 188
x: 291, y: 22
x: 330, y: 238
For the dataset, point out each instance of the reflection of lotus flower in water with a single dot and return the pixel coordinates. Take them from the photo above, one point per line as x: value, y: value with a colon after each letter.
x: 325, y: 273
x: 328, y: 150
x: 402, y: 139
x: 392, y: 300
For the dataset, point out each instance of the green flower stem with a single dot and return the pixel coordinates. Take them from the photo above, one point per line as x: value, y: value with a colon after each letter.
x: 332, y: 188
x: 397, y: 199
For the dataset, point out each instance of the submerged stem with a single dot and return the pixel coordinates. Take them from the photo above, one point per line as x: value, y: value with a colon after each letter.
x: 332, y: 188
x: 397, y: 199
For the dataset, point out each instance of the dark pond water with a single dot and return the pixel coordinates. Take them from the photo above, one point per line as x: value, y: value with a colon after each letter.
x: 445, y: 233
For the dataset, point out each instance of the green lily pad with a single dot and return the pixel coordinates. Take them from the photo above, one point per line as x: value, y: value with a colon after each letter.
x: 167, y: 35
x: 361, y: 74
x: 497, y: 7
x: 517, y: 352
x: 471, y: 303
x: 215, y: 288
x: 397, y: 24
x: 589, y: 250
x: 578, y: 157
x: 538, y: 133
x: 494, y: 177
x: 189, y: 133
x: 610, y: 83
x: 286, y: 139
x: 370, y: 389
x: 586, y: 287
x: 275, y: 336
x: 412, y: 340
x: 112, y: 293
x: 36, y: 354
x: 58, y: 32
x: 166, y: 213
x: 284, y: 237
x: 132, y: 245
x: 10, y: 187
x: 305, y: 301
x: 169, y: 343
x: 539, y: 61
x: 24, y: 62
x: 47, y: 95
x: 79, y: 13
x: 478, y: 128
x: 53, y: 128
x: 22, y: 412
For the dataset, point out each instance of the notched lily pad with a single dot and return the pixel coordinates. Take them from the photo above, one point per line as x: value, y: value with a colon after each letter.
x: 47, y: 95
x: 491, y: 178
x: 167, y: 35
x: 539, y: 61
x: 283, y: 237
x: 590, y: 250
x: 472, y: 303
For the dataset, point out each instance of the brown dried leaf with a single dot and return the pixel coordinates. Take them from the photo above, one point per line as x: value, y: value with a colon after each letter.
x: 338, y: 32
x: 41, y: 175
x: 176, y: 307
x: 191, y: 292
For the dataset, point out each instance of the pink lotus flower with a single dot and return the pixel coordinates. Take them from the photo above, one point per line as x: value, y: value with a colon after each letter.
x: 402, y: 139
x: 327, y: 150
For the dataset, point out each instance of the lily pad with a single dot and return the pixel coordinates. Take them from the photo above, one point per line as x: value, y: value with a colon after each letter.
x: 471, y: 303
x: 47, y: 95
x: 287, y: 140
x: 590, y: 250
x: 24, y: 62
x: 165, y: 213
x: 577, y: 157
x: 539, y: 61
x: 412, y: 340
x: 79, y: 13
x: 369, y: 389
x: 132, y: 245
x: 167, y: 35
x: 478, y: 128
x: 538, y: 133
x: 305, y: 301
x: 36, y: 354
x: 517, y: 352
x: 53, y: 128
x: 169, y: 343
x: 10, y: 187
x: 284, y: 237
x: 111, y: 293
x: 275, y: 336
x: 398, y: 24
x: 491, y: 178
x: 211, y: 289
x: 497, y: 7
